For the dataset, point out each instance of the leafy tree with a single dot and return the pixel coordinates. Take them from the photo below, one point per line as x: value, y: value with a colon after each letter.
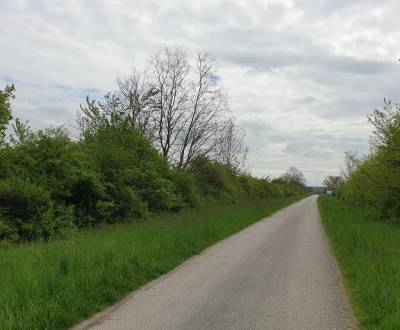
x: 374, y: 180
x: 5, y: 109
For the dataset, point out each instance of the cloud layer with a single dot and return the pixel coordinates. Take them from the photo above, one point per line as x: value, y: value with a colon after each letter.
x: 301, y: 75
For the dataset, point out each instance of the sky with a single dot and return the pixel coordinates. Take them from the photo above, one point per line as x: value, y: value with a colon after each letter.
x: 301, y: 75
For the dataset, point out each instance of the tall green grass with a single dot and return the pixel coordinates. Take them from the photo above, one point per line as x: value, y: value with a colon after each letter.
x: 54, y: 285
x: 368, y: 253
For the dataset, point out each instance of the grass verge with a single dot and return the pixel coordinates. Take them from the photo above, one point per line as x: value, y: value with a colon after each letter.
x: 368, y: 253
x: 56, y: 284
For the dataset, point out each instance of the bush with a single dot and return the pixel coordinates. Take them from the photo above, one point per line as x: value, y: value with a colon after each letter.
x: 29, y: 213
x: 215, y: 179
x: 136, y: 176
x: 187, y: 188
x: 49, y: 182
x: 375, y: 180
x: 60, y: 166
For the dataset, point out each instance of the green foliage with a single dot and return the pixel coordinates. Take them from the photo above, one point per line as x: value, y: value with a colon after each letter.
x: 368, y: 252
x: 57, y: 284
x: 215, y: 179
x: 293, y: 176
x: 375, y: 181
x: 49, y: 182
x: 187, y: 188
x: 28, y: 212
x: 136, y: 177
x: 5, y: 109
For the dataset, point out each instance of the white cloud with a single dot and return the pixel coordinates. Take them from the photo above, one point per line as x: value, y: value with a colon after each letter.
x: 302, y: 75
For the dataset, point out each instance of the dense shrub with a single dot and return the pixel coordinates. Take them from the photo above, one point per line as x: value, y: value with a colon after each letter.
x: 136, y: 176
x: 215, y: 179
x: 375, y: 179
x: 50, y: 183
x: 188, y: 189
x: 27, y: 211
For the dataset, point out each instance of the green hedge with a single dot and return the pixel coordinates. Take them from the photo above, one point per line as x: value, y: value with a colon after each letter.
x: 50, y: 183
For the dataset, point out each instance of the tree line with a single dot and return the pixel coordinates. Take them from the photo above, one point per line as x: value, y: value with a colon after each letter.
x: 374, y: 179
x: 163, y: 141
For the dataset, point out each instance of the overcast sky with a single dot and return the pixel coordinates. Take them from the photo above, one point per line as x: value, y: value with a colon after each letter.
x: 301, y: 75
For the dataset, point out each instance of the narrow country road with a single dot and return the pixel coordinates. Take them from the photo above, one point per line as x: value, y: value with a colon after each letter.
x: 276, y: 274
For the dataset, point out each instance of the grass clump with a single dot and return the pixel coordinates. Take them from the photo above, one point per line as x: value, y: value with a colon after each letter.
x: 55, y: 284
x: 368, y: 252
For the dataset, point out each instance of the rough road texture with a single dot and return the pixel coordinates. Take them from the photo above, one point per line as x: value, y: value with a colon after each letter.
x: 276, y: 274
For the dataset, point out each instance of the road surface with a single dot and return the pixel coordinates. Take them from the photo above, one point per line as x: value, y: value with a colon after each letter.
x: 276, y: 274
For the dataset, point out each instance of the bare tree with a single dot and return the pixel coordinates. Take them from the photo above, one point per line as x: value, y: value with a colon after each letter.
x: 231, y: 149
x: 138, y: 99
x: 169, y: 71
x: 131, y: 106
x: 351, y: 163
x: 204, y: 113
x: 176, y: 103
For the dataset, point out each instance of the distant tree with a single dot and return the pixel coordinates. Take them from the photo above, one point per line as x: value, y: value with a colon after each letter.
x: 5, y: 109
x: 231, y: 149
x: 333, y: 183
x: 292, y: 176
x: 351, y: 163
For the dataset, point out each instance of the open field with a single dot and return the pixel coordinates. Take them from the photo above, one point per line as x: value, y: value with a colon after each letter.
x: 56, y: 284
x: 368, y: 252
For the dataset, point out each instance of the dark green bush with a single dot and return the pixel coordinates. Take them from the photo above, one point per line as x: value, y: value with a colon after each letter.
x: 27, y: 211
x: 136, y: 176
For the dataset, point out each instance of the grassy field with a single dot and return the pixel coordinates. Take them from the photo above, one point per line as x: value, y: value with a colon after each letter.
x: 368, y: 253
x: 54, y: 285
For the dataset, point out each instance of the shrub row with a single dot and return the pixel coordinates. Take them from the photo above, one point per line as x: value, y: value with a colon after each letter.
x: 50, y: 183
x: 374, y: 181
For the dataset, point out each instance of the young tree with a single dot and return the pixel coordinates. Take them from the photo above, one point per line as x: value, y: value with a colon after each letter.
x: 138, y: 100
x: 6, y: 95
x: 22, y: 133
x: 386, y: 123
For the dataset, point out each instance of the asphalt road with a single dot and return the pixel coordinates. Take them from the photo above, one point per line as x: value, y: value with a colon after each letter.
x: 276, y: 274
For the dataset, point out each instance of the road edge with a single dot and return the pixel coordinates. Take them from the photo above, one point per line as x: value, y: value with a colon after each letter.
x: 99, y: 317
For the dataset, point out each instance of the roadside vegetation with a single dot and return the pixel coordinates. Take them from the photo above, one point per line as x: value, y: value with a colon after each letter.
x: 164, y: 141
x: 53, y: 285
x: 363, y: 221
x: 373, y: 180
x: 153, y: 174
x: 367, y: 248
